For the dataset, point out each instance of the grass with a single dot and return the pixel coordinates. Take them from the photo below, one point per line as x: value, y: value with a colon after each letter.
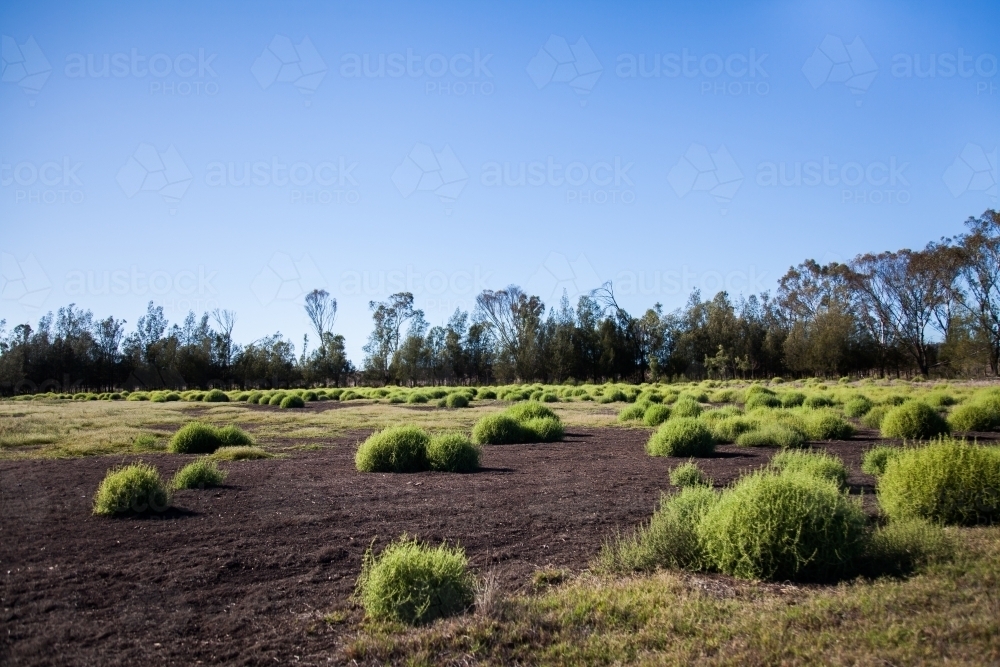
x: 131, y: 489
x: 241, y: 453
x: 200, y: 474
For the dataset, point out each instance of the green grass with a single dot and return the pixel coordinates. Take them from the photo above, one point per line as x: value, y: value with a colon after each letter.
x: 453, y: 452
x: 199, y: 474
x: 681, y: 436
x: 131, y: 489
x: 395, y: 449
x: 241, y: 453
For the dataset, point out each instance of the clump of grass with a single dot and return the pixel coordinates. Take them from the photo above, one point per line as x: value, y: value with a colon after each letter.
x: 395, y: 449
x: 902, y: 547
x: 827, y: 425
x: 761, y: 400
x: 792, y: 399
x: 456, y: 400
x: 783, y: 526
x: 670, y: 538
x: 241, y: 453
x: 146, y: 442
x: 817, y: 401
x: 873, y: 418
x: 681, y: 436
x: 136, y: 488
x: 200, y: 474
x: 685, y: 407
x: 452, y: 452
x: 414, y: 583
x: 772, y: 434
x: 949, y: 481
x: 858, y: 406
x: 415, y: 398
x: 232, y: 436
x: 293, y: 402
x: 914, y: 420
x: 633, y: 412
x: 876, y: 459
x: 498, y: 429
x: 728, y: 429
x: 816, y: 464
x: 215, y: 396
x: 655, y: 414
x: 195, y: 438
x: 978, y: 416
x: 689, y: 474
x: 521, y: 423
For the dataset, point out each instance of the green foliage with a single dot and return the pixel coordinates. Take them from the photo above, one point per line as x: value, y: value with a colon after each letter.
x: 979, y: 416
x: 452, y: 452
x: 549, y: 397
x: 902, y: 547
x: 723, y: 396
x: 773, y: 434
x: 292, y: 402
x: 145, y: 442
x: 216, y: 396
x: 200, y: 474
x: 415, y: 583
x: 498, y: 429
x: 276, y: 398
x: 489, y: 394
x: 873, y: 418
x: 685, y: 407
x: 396, y: 449
x: 761, y: 400
x: 254, y: 397
x: 655, y: 414
x: 457, y: 400
x: 681, y: 436
x: 231, y: 435
x: 310, y: 396
x: 949, y: 481
x: 529, y: 410
x: 543, y: 429
x: 729, y: 429
x: 783, y: 526
x: 827, y: 426
x: 939, y: 399
x: 670, y: 539
x: 195, y: 438
x: 614, y: 396
x: 914, y: 420
x: 858, y: 406
x: 416, y: 397
x: 792, y: 399
x: 633, y: 412
x: 689, y: 474
x: 241, y: 453
x: 817, y: 464
x: 818, y: 401
x: 876, y: 459
x: 135, y: 488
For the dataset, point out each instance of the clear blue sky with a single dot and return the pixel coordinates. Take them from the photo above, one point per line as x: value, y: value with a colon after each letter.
x: 658, y: 143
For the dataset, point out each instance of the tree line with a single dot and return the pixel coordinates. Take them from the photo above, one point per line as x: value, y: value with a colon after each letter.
x: 934, y: 311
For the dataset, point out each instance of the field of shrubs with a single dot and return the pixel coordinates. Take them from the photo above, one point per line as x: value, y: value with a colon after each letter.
x: 715, y: 522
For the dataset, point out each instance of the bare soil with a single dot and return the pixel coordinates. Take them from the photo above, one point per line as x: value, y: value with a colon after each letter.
x: 243, y: 574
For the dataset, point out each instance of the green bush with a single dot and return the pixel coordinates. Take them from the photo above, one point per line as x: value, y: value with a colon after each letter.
x: 254, y: 397
x: 632, y: 412
x: 685, y: 407
x: 292, y: 402
x: 543, y: 429
x: 277, y: 398
x: 489, y: 394
x: 914, y: 420
x: 135, y: 396
x: 135, y: 488
x: 457, y: 400
x: 723, y: 396
x: 858, y: 406
x: 792, y: 399
x: 949, y: 481
x: 614, y: 396
x: 452, y: 452
x: 761, y: 400
x: 529, y: 410
x: 215, y: 396
x: 498, y: 429
x: 310, y: 396
x: 772, y: 435
x: 827, y: 426
x: 817, y: 401
x: 241, y: 453
x: 232, y: 436
x: 902, y: 547
x: 982, y: 416
x: 873, y: 418
x: 689, y: 474
x: 939, y: 399
x: 670, y: 539
x: 195, y: 438
x: 396, y: 449
x: 549, y: 397
x: 656, y: 414
x: 783, y: 526
x: 415, y: 583
x: 876, y: 459
x: 681, y: 436
x: 817, y: 464
x: 729, y: 429
x: 200, y: 474
x: 416, y: 397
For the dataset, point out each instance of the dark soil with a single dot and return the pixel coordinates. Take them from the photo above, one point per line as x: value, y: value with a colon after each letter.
x: 244, y: 574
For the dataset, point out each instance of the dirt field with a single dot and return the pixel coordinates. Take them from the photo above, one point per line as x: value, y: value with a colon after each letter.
x: 245, y: 573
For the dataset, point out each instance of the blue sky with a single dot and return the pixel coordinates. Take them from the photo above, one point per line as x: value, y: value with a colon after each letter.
x: 659, y: 146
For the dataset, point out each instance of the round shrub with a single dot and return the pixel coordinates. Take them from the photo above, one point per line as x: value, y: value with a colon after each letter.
x: 772, y: 435
x: 817, y: 401
x: 686, y: 407
x: 241, y: 453
x: 135, y: 396
x: 974, y: 417
x: 728, y: 429
x: 232, y: 436
x: 914, y: 420
x: 350, y: 395
x: 498, y: 429
x: 200, y: 474
x: 876, y: 459
x: 457, y: 400
x: 858, y: 406
x: 939, y: 400
x: 452, y: 452
x: 656, y: 414
x: 530, y: 410
x: 415, y: 583
x: 681, y: 436
x: 215, y: 396
x: 761, y: 400
x: 827, y: 426
x: 689, y: 474
x: 792, y: 399
x: 873, y: 418
x: 292, y: 401
x: 135, y: 488
x: 614, y: 396
x: 783, y: 526
x: 817, y: 464
x: 633, y: 412
x: 310, y: 396
x: 396, y: 449
x: 414, y: 398
x: 949, y: 482
x: 549, y: 397
x: 489, y: 394
x: 277, y: 398
x: 254, y: 397
x: 542, y: 429
x: 194, y: 438
x: 335, y: 394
